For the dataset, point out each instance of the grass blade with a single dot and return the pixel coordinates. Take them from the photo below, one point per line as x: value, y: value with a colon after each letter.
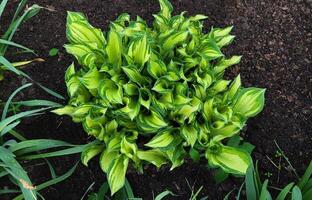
x: 9, y: 127
x: 20, y: 7
x: 73, y: 150
x: 17, y: 135
x: 128, y: 189
x: 103, y: 190
x: 7, y: 104
x: 227, y: 195
x: 43, y: 87
x: 28, y: 146
x: 239, y: 192
x: 9, y: 191
x: 251, y: 192
x: 13, y: 118
x: 18, y: 173
x: 296, y: 193
x: 10, y: 43
x: 30, y: 12
x: 37, y: 102
x: 307, y: 194
x: 2, y: 6
x: 307, y: 186
x: 88, y: 189
x: 52, y: 171
x: 4, y: 173
x: 7, y: 65
x: 282, y: 195
x: 305, y: 178
x: 265, y: 195
x: 52, y: 181
x: 163, y: 195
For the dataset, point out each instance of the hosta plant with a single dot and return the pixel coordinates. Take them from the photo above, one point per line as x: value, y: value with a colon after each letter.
x: 152, y: 94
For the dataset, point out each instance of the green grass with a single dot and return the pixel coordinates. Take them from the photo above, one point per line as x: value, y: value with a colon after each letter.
x: 258, y: 190
x: 14, y: 147
x: 125, y: 193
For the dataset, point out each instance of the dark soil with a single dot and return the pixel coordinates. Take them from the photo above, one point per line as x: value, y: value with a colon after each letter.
x: 275, y: 38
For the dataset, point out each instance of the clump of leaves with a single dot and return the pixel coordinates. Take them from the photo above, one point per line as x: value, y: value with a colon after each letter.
x: 151, y: 94
x: 256, y: 189
x: 124, y: 193
x: 6, y: 39
x: 14, y: 147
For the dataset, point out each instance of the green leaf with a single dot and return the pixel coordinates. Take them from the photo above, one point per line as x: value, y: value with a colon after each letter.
x: 231, y: 160
x: 78, y: 50
x: 2, y: 6
x: 53, y: 52
x: 219, y: 86
x: 173, y: 40
x: 305, y: 178
x: 234, y: 87
x: 135, y: 76
x: 220, y: 176
x: 165, y: 8
x: 190, y: 134
x: 208, y: 109
x: 194, y: 154
x: 225, y: 41
x: 131, y: 109
x: 114, y: 48
x: 18, y: 116
x: 250, y: 102
x: 283, y: 194
x: 111, y: 91
x: 89, y: 152
x: 18, y: 173
x: 139, y: 50
x: 198, y: 17
x: 7, y: 104
x: 247, y: 147
x: 296, y: 194
x: 163, y: 86
x: 306, y: 196
x: 79, y: 31
x: 53, y: 181
x: 128, y: 148
x: 225, y: 63
x: 222, y: 32
x: 145, y: 98
x: 151, y: 122
x: 34, y: 145
x: 154, y: 156
x: 17, y: 21
x: 75, y: 16
x: 224, y: 131
x: 264, y: 194
x: 211, y: 51
x: 66, y: 110
x: 162, y: 139
x: 8, y: 66
x: 117, y: 174
x: 307, y: 186
x: 156, y: 68
x: 91, y: 79
x: 10, y: 43
x: 203, y: 79
x: 107, y: 159
x: 163, y: 194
